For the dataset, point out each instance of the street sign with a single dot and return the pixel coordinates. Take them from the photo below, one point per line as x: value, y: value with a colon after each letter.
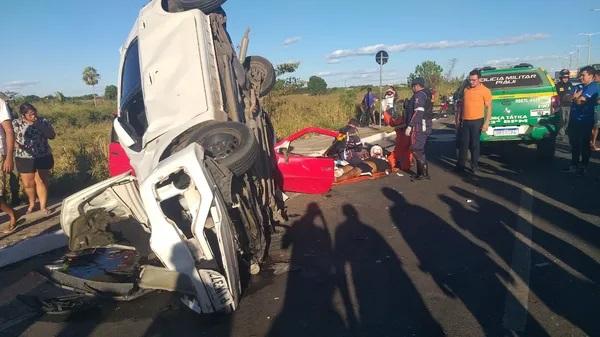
x: 382, y: 57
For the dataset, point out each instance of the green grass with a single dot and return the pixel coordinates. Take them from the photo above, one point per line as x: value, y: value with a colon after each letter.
x: 83, y: 130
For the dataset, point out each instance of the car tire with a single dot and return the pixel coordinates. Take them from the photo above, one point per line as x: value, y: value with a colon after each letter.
x: 259, y: 68
x: 231, y: 144
x: 206, y: 6
x: 546, y: 148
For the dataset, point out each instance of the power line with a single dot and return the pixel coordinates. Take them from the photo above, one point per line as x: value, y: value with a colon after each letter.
x: 589, y: 46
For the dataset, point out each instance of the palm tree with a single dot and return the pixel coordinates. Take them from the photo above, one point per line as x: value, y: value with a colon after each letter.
x: 91, y: 77
x: 59, y: 96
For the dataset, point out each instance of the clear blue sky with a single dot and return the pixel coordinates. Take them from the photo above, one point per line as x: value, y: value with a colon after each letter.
x: 46, y: 44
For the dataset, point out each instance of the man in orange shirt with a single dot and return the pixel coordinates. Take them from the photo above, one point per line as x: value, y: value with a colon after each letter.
x: 475, y: 118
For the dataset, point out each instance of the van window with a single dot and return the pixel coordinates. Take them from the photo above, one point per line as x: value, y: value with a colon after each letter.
x: 512, y: 80
x: 133, y: 111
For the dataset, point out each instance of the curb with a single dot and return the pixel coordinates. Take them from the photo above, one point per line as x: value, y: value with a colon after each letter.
x: 378, y: 137
x: 32, y: 246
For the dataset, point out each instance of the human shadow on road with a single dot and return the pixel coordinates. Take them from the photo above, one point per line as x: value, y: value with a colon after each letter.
x: 308, y: 308
x: 522, y: 165
x: 460, y: 268
x: 387, y: 301
x: 557, y: 288
x: 554, y: 193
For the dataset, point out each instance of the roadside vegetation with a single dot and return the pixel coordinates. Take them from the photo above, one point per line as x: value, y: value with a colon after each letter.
x: 295, y: 104
x: 83, y: 123
x: 80, y: 148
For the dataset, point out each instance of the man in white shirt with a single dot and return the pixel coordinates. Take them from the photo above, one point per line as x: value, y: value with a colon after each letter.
x: 388, y: 100
x: 7, y: 147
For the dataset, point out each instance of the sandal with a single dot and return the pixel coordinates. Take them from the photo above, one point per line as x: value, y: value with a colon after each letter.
x: 47, y: 211
x: 10, y: 229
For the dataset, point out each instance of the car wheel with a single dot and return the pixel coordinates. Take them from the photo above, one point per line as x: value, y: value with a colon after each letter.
x: 546, y: 148
x: 260, y: 70
x: 205, y: 6
x: 231, y: 144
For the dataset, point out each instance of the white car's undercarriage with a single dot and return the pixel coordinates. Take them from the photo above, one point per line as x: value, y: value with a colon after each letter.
x: 203, y: 201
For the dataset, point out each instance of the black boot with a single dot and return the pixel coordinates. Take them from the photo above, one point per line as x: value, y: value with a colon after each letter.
x: 422, y: 171
x: 419, y: 174
x: 426, y: 171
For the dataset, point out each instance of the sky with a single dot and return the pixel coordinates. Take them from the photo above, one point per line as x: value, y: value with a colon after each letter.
x: 46, y: 44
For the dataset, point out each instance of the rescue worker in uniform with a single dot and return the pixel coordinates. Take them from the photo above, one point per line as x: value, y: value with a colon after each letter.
x: 419, y: 125
x: 564, y: 89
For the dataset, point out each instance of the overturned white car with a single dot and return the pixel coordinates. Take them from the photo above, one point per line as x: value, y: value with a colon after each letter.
x: 197, y: 215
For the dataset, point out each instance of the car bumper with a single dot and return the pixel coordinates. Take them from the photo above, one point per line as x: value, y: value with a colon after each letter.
x: 527, y: 134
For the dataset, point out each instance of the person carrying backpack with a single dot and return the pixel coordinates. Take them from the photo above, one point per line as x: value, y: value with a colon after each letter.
x: 419, y: 114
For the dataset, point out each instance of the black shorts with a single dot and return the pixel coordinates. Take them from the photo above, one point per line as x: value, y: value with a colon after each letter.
x: 30, y: 165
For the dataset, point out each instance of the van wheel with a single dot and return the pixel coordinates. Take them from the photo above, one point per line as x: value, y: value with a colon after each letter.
x: 546, y: 148
x: 231, y: 144
x: 260, y: 70
x: 205, y: 6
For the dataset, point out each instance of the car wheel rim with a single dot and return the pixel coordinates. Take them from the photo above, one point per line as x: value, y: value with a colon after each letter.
x: 220, y: 146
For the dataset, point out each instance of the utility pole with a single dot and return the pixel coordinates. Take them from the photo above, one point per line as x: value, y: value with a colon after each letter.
x: 243, y: 47
x: 589, y: 45
x: 578, y: 50
x: 451, y: 68
x: 571, y: 60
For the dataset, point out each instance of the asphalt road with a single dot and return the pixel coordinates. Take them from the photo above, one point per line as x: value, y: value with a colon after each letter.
x: 512, y: 252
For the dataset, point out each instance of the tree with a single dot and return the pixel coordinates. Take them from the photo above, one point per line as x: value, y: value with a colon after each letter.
x: 285, y: 68
x: 110, y: 92
x: 316, y: 85
x: 91, y: 77
x: 288, y: 84
x: 59, y: 96
x: 430, y: 71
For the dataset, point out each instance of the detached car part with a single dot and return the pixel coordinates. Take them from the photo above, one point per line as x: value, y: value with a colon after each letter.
x: 191, y: 233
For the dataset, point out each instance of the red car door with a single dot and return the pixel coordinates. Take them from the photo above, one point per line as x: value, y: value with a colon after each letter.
x: 301, y: 173
x: 118, y: 162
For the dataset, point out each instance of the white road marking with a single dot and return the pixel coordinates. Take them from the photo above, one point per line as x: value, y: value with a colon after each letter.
x: 516, y: 305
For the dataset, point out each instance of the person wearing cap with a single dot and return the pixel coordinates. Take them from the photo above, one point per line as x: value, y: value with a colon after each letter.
x: 581, y: 121
x: 347, y: 145
x: 564, y: 89
x: 388, y: 104
x: 474, y: 118
x: 418, y: 116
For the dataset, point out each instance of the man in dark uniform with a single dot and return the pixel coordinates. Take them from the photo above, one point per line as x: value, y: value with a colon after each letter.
x: 418, y: 120
x: 564, y: 89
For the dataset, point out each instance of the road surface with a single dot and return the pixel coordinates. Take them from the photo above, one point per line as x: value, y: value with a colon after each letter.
x: 512, y: 252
